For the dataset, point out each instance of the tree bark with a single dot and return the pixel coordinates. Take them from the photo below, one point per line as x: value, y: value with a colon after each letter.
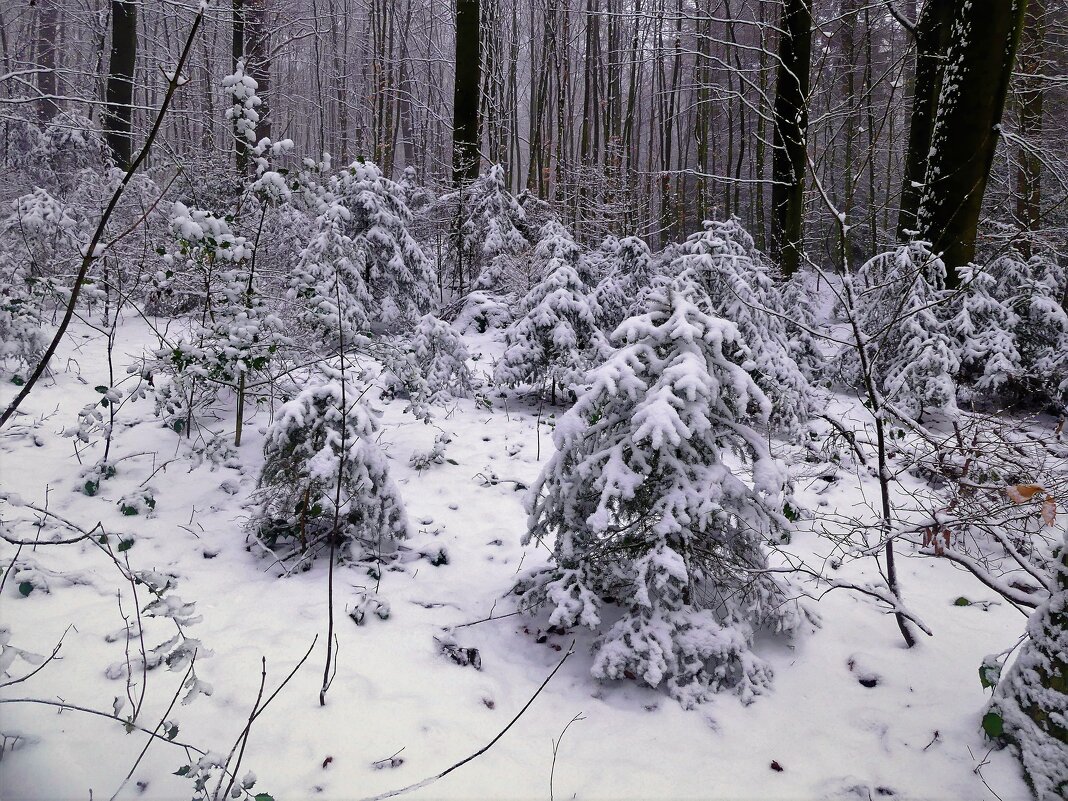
x: 1030, y: 99
x: 932, y: 39
x: 47, y: 31
x: 791, y: 129
x: 118, y: 119
x: 465, y: 137
x: 978, y: 68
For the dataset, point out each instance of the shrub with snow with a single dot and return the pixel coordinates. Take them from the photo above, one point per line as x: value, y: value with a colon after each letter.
x: 1030, y: 705
x: 554, y: 337
x: 646, y: 514
x: 324, y: 477
x: 397, y: 273
x: 737, y: 281
x: 629, y: 274
x: 441, y: 355
x: 911, y: 358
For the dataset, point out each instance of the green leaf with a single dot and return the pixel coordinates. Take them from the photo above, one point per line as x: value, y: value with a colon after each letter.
x: 178, y: 425
x: 993, y: 725
x: 125, y: 545
x: 263, y: 797
x: 183, y: 771
x: 172, y: 731
x: 127, y: 510
x: 91, y: 487
x: 101, y: 389
x: 989, y: 672
x: 105, y: 402
x: 17, y: 380
x: 962, y: 601
x: 790, y: 513
x: 25, y: 588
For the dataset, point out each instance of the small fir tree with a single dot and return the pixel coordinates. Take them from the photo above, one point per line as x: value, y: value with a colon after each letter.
x: 910, y: 354
x: 738, y: 284
x: 397, y: 273
x: 645, y: 512
x: 630, y: 273
x: 554, y: 337
x: 324, y: 477
x: 1029, y: 709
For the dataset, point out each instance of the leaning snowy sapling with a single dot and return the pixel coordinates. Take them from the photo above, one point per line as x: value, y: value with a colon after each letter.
x: 646, y: 514
x: 1030, y: 705
x: 324, y: 477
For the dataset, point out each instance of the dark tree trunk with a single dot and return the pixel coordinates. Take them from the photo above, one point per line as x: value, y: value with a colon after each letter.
x: 465, y: 136
x: 932, y: 40
x: 976, y: 81
x: 47, y: 31
x: 791, y: 128
x: 258, y: 59
x: 1028, y: 164
x: 118, y: 119
x: 237, y: 53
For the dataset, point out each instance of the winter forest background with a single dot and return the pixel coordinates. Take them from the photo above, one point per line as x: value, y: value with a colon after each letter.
x: 592, y: 398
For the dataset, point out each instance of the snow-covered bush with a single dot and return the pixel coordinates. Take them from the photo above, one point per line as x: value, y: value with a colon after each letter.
x: 797, y: 303
x: 911, y: 358
x: 629, y: 275
x: 399, y: 277
x: 234, y: 333
x: 1029, y: 709
x: 738, y: 284
x: 482, y: 311
x: 441, y: 355
x: 1010, y: 328
x: 646, y: 514
x: 324, y: 477
x: 329, y: 299
x: 554, y: 337
x: 491, y: 233
x: 38, y: 246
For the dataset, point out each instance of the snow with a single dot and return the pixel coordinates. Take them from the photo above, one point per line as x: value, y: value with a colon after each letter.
x: 399, y: 711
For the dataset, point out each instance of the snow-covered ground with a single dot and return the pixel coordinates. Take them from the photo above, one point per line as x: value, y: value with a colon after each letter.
x: 399, y: 711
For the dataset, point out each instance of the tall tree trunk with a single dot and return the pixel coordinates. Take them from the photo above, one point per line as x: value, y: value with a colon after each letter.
x: 465, y: 144
x: 978, y: 68
x: 237, y: 53
x: 932, y: 39
x: 791, y: 130
x: 118, y: 119
x: 258, y: 60
x: 1028, y: 164
x: 47, y: 32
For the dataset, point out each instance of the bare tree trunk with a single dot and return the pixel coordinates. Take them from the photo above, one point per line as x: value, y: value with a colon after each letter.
x: 1028, y: 163
x: 967, y: 124
x: 118, y: 120
x: 791, y: 130
x: 932, y: 38
x: 465, y: 146
x: 47, y: 32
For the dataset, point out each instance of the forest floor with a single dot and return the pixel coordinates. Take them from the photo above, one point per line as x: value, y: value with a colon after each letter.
x: 852, y: 712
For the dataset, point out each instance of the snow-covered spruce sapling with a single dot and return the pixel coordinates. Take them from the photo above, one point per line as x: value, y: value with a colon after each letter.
x: 646, y: 514
x: 234, y: 333
x: 325, y: 481
x: 397, y: 273
x: 441, y: 355
x: 554, y: 338
x: 737, y: 281
x: 491, y: 234
x: 629, y: 274
x: 910, y: 357
x: 1029, y: 709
